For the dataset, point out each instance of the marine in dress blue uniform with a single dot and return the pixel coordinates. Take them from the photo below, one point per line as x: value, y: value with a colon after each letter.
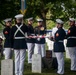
x: 55, y: 29
x: 18, y: 33
x: 71, y: 43
x: 8, y: 40
x: 59, y: 46
x: 30, y: 41
x: 40, y: 42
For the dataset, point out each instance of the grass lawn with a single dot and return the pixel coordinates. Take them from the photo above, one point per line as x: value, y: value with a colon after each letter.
x: 51, y: 71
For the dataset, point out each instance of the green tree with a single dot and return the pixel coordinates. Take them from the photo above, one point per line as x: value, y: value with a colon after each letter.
x: 54, y: 8
x: 8, y: 9
x: 58, y: 9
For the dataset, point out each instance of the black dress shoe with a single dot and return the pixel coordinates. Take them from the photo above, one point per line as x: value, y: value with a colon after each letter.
x: 73, y: 70
x: 59, y: 74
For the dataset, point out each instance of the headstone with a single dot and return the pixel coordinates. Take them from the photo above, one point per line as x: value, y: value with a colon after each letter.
x: 36, y: 63
x: 7, y: 67
x: 48, y: 53
x: 47, y: 62
x: 50, y: 46
x: 67, y: 53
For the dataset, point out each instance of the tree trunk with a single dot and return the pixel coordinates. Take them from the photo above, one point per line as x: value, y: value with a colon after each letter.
x: 44, y: 18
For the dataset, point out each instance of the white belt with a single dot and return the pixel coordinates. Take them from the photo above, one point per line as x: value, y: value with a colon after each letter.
x: 33, y: 34
x: 60, y: 41
x: 19, y: 37
x: 72, y: 37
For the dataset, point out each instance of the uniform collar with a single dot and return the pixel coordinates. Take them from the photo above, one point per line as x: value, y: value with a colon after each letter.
x: 60, y: 28
x: 18, y: 24
x: 7, y: 26
x: 40, y: 26
x: 73, y: 26
x: 29, y: 24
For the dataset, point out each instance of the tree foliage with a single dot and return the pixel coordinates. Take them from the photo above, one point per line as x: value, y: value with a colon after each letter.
x: 8, y: 8
x: 54, y: 8
x: 58, y: 8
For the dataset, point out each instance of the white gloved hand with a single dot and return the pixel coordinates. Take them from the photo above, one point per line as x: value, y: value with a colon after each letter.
x: 40, y: 36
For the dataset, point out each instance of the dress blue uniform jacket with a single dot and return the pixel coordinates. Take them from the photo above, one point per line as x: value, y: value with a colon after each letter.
x: 19, y: 43
x: 40, y: 30
x: 71, y: 42
x: 58, y: 41
x: 7, y: 33
x: 30, y: 33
